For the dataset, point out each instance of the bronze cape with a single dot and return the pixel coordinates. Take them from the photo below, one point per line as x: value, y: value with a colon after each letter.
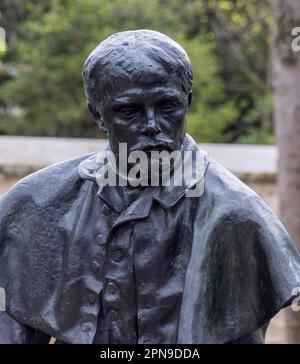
x: 208, y: 269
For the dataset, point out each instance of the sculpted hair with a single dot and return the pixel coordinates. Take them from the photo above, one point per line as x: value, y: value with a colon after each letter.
x: 139, y: 56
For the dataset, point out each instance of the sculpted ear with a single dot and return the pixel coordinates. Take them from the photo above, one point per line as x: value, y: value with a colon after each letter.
x: 97, y: 116
x: 190, y: 97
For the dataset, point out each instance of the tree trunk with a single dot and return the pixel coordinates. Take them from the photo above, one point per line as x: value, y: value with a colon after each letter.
x: 286, y: 83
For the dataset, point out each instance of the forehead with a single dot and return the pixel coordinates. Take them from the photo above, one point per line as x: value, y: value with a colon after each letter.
x: 142, y: 73
x: 139, y: 92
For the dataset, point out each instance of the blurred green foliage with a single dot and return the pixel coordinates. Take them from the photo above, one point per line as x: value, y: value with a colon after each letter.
x: 41, y: 89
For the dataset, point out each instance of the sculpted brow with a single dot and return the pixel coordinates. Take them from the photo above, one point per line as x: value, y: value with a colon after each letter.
x: 122, y: 105
x: 170, y: 99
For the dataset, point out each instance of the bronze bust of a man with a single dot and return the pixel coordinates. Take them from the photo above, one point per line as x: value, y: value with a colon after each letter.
x: 91, y: 262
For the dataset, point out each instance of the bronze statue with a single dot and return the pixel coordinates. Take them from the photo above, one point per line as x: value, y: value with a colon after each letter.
x: 91, y: 262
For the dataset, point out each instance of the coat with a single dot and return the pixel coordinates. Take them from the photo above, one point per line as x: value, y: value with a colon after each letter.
x: 79, y: 264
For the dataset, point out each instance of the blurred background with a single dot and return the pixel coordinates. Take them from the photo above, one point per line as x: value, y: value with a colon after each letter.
x: 245, y: 112
x: 228, y: 43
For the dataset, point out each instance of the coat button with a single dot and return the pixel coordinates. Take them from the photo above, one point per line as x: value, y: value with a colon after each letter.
x: 106, y: 210
x: 117, y: 255
x: 86, y: 326
x: 114, y: 315
x: 99, y: 239
x: 92, y: 299
x: 111, y: 288
x: 95, y: 266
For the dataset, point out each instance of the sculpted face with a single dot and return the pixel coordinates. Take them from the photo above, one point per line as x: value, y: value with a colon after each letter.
x: 138, y: 87
x: 146, y: 117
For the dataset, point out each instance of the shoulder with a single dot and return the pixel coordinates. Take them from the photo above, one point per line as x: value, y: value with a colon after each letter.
x: 44, y: 186
x: 236, y: 215
x: 231, y: 198
x: 239, y: 220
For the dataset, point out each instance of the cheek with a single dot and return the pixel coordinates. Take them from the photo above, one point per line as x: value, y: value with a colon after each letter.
x: 123, y: 132
x: 175, y: 121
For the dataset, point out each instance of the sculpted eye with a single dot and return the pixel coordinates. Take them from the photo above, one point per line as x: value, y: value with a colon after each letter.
x: 128, y: 112
x: 169, y: 106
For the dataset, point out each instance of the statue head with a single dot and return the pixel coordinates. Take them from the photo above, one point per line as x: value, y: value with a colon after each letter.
x: 138, y: 88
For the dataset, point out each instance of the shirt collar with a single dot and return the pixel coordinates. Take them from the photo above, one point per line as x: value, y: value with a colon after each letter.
x: 119, y: 198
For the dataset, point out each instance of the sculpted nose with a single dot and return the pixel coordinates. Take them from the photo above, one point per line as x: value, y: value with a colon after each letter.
x: 151, y: 126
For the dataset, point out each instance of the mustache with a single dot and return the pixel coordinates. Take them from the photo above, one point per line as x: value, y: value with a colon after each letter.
x: 148, y: 146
